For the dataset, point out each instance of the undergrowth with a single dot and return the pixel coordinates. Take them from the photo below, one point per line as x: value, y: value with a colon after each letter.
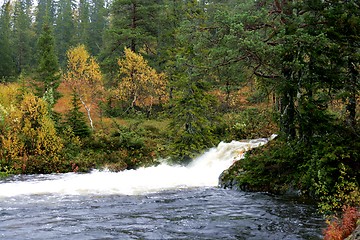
x: 341, y: 228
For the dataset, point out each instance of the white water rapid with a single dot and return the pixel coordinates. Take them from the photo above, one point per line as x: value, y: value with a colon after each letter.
x: 204, y: 171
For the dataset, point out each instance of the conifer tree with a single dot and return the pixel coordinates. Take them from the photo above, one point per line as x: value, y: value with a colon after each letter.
x: 76, y: 119
x: 22, y: 36
x: 7, y: 65
x: 344, y: 30
x: 193, y: 117
x: 170, y: 19
x: 64, y: 29
x: 83, y: 23
x: 133, y: 24
x: 45, y: 11
x: 48, y: 71
x: 98, y: 23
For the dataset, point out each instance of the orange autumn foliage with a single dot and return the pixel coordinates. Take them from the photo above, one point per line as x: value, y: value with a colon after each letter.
x: 339, y: 229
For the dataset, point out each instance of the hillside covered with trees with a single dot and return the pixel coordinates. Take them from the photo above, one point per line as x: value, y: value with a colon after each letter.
x: 119, y: 84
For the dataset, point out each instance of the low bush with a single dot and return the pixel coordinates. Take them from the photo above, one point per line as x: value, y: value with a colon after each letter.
x: 340, y: 228
x: 327, y: 170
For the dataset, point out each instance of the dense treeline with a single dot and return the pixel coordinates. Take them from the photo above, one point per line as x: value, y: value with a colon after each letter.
x: 186, y: 62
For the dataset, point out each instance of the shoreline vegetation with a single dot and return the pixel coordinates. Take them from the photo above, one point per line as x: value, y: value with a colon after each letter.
x: 119, y: 84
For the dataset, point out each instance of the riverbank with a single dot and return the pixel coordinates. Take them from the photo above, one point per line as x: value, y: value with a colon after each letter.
x: 325, y: 173
x: 356, y: 234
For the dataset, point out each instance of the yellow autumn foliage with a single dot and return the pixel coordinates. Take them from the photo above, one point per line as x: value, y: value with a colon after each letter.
x: 29, y: 131
x: 83, y: 73
x: 139, y: 83
x: 8, y: 99
x: 84, y: 77
x: 8, y: 94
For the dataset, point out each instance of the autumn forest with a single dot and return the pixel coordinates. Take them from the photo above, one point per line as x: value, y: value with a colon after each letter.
x: 120, y: 84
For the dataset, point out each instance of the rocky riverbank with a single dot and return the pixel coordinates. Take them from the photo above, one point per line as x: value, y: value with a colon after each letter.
x: 356, y: 234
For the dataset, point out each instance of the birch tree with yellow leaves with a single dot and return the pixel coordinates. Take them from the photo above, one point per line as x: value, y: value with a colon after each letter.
x: 140, y: 85
x: 84, y: 78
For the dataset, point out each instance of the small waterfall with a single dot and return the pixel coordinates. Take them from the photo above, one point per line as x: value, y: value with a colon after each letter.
x: 202, y: 172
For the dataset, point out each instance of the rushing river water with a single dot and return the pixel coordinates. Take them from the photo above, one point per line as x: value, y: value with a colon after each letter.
x: 163, y: 202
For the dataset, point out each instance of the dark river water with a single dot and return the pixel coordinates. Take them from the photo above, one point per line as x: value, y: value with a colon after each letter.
x: 198, y: 213
x: 163, y: 202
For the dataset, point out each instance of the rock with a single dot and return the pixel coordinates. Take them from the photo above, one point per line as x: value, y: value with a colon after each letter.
x: 355, y: 235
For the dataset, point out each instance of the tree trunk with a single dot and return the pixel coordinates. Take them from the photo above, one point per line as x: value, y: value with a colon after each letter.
x: 88, y: 110
x: 351, y: 88
x: 287, y: 122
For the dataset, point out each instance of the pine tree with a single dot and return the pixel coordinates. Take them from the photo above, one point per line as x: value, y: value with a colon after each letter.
x: 7, y: 65
x: 48, y: 71
x: 193, y: 116
x: 64, y: 29
x: 83, y: 23
x: 98, y: 23
x: 133, y: 24
x: 344, y: 30
x: 22, y: 36
x: 170, y: 19
x: 45, y: 12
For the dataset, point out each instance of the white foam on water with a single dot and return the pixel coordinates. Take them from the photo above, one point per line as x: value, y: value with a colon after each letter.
x: 203, y: 171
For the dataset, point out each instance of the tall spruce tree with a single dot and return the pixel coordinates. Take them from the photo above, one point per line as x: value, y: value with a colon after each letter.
x: 7, y: 65
x: 98, y: 23
x: 170, y: 19
x: 64, y: 29
x: 22, y: 34
x: 133, y: 24
x: 48, y: 70
x: 44, y: 9
x: 83, y: 23
x: 343, y: 20
x: 193, y: 117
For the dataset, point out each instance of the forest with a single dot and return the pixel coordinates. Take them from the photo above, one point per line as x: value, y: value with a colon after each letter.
x: 120, y: 84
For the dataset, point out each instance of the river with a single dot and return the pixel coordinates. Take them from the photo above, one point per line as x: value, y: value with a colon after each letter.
x: 163, y: 202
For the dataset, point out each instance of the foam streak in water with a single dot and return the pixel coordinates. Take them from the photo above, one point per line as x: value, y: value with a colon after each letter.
x: 202, y: 172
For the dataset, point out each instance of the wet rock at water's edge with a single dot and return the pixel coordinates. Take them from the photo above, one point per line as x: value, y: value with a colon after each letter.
x: 355, y: 235
x: 227, y: 178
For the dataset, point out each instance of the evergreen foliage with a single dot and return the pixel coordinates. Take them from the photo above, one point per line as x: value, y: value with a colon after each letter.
x: 23, y: 36
x: 310, y: 67
x: 7, y: 65
x: 48, y: 70
x: 193, y: 120
x: 76, y: 119
x: 133, y: 24
x: 301, y: 57
x: 45, y: 13
x: 64, y: 29
x: 83, y: 23
x: 98, y: 23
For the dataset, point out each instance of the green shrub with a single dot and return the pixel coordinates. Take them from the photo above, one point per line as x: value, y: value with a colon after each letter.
x: 327, y: 170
